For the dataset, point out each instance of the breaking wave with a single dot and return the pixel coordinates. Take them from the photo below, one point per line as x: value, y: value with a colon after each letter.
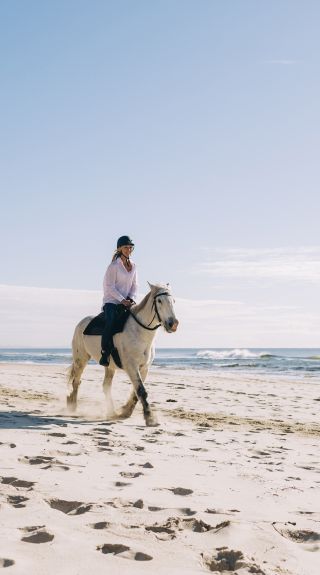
x: 233, y: 354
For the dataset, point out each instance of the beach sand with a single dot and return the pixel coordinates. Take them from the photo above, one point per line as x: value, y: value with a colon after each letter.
x: 228, y: 482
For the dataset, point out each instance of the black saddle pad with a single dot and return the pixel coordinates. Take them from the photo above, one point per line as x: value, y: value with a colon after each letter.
x: 97, y: 324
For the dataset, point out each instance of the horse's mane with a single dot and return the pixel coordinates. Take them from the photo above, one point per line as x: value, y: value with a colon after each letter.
x: 143, y: 302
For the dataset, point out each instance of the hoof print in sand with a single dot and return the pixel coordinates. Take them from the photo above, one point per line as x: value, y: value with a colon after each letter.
x: 297, y: 535
x: 6, y: 562
x: 230, y: 560
x: 37, y: 535
x: 124, y: 550
x: 69, y: 507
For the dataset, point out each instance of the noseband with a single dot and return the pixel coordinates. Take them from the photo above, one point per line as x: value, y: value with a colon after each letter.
x: 156, y: 313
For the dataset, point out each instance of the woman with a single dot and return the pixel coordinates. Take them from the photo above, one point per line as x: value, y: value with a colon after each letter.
x: 119, y: 287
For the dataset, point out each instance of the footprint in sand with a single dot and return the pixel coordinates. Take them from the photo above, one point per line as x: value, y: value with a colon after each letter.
x: 46, y: 462
x: 229, y: 560
x: 17, y: 482
x: 130, y: 474
x: 69, y: 507
x: 17, y: 501
x: 101, y: 525
x: 175, y: 524
x: 37, y: 535
x: 296, y: 535
x: 6, y: 562
x: 118, y: 503
x: 155, y: 508
x: 123, y: 551
x: 187, y: 511
x: 222, y: 511
x: 181, y: 491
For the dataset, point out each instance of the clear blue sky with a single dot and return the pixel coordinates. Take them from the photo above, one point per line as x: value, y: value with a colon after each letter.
x: 192, y: 126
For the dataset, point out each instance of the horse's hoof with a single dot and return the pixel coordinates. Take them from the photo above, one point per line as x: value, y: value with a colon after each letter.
x: 71, y: 406
x: 116, y: 416
x: 151, y: 422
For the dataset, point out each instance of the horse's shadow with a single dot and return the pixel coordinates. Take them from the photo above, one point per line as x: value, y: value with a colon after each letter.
x: 31, y: 420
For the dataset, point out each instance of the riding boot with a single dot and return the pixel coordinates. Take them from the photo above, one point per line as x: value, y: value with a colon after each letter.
x: 104, y: 359
x: 106, y: 340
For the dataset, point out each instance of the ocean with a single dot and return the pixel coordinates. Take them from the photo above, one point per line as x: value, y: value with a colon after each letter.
x: 291, y: 361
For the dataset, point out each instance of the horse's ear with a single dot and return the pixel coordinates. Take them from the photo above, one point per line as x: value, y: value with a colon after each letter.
x: 150, y: 285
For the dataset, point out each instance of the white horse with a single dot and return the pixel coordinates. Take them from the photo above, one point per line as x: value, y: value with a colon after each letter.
x: 135, y: 347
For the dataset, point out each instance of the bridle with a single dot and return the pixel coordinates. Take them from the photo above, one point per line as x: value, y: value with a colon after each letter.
x: 156, y: 313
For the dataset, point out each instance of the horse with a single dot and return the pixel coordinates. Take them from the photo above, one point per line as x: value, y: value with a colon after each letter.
x: 135, y: 346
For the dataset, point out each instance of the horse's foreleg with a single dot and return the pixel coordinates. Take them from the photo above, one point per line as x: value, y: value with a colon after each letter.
x: 137, y: 380
x: 107, y: 383
x: 127, y: 409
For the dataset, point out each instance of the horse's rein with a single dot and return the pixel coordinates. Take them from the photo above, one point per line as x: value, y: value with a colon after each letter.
x: 156, y: 313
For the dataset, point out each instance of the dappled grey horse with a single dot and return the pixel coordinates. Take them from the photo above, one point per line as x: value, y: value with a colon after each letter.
x: 135, y: 345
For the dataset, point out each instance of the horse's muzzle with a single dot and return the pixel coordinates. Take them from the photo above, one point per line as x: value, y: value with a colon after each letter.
x: 171, y: 325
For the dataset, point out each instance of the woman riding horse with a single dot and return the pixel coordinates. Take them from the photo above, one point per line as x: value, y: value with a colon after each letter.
x: 119, y: 288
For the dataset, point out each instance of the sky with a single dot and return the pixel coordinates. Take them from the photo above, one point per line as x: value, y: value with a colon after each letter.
x: 193, y: 127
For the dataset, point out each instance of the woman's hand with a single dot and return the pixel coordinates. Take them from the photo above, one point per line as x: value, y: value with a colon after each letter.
x: 126, y: 303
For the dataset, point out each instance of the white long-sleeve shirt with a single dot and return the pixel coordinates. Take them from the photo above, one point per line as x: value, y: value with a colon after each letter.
x: 118, y: 283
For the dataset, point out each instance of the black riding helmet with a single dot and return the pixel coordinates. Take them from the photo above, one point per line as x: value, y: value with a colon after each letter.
x: 124, y: 241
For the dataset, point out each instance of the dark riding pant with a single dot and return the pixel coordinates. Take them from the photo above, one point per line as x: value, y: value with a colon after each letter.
x: 110, y: 315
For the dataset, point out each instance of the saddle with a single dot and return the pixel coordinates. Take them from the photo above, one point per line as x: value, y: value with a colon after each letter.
x: 97, y: 324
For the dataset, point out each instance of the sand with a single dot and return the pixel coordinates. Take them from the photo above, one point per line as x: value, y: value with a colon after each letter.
x: 228, y: 482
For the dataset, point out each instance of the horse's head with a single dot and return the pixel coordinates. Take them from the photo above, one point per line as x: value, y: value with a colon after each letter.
x: 163, y: 305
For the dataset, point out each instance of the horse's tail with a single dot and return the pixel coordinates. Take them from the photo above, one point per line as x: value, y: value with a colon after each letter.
x: 80, y: 355
x: 80, y: 358
x: 71, y: 374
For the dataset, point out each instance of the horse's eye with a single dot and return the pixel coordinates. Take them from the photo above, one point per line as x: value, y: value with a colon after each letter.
x: 159, y: 300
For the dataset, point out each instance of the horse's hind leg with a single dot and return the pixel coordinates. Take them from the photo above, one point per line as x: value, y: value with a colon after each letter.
x: 80, y: 360
x: 127, y: 409
x: 74, y: 381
